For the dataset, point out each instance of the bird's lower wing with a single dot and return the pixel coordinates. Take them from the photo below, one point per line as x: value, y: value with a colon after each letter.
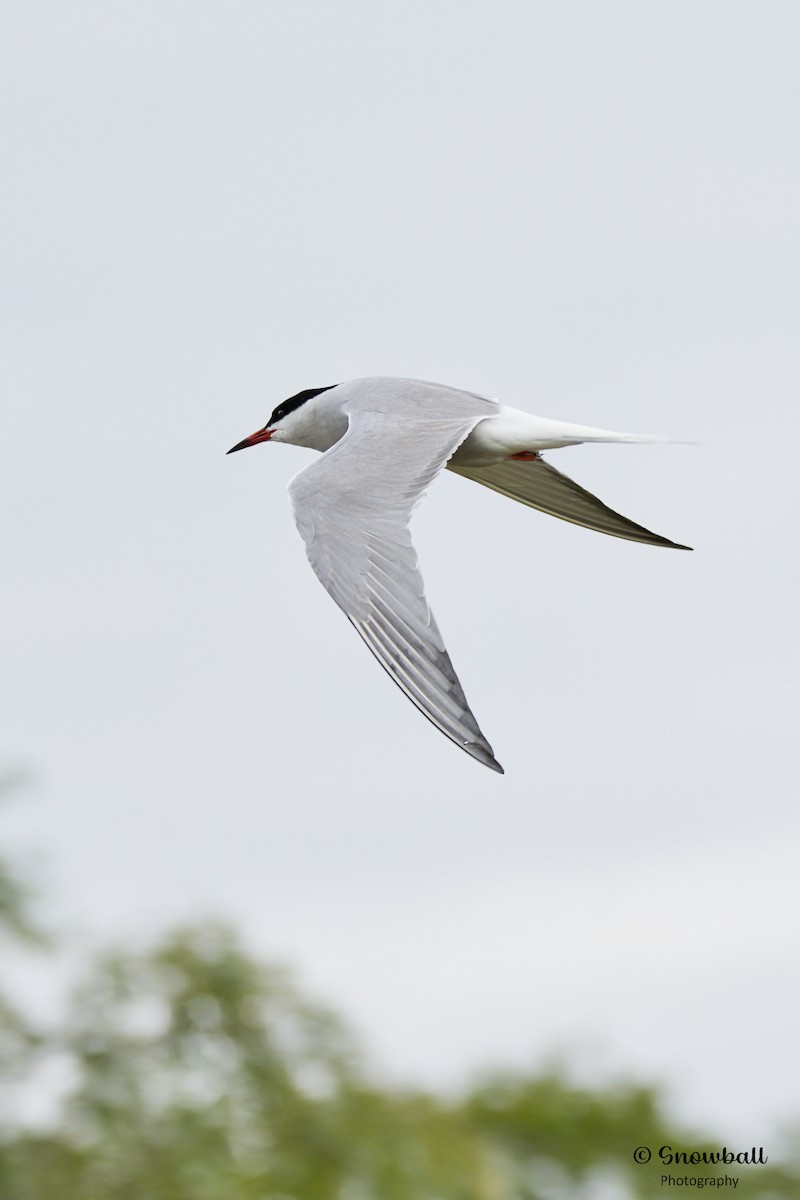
x: 541, y: 486
x: 352, y: 508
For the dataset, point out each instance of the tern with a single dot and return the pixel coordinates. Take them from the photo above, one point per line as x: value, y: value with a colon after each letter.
x: 383, y: 441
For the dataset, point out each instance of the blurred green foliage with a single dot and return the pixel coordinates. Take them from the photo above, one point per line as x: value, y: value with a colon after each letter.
x: 193, y: 1072
x: 16, y: 893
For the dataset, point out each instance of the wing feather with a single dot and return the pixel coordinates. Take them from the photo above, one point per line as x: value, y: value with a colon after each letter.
x: 352, y: 507
x: 541, y: 486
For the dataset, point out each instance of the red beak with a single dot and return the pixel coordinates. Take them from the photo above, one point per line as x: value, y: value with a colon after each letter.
x: 261, y: 435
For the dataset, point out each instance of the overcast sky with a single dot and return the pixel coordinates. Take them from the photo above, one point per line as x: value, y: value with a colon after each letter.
x: 589, y: 209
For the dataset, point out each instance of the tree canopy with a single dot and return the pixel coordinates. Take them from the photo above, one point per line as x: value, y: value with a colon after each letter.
x: 195, y: 1072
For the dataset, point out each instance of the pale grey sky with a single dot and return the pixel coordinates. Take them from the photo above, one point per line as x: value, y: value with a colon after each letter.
x: 589, y: 209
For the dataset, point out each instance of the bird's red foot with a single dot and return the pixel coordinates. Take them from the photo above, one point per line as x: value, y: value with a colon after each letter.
x: 524, y: 456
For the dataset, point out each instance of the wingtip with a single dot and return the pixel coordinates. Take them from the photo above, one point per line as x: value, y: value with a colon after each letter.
x: 484, y: 755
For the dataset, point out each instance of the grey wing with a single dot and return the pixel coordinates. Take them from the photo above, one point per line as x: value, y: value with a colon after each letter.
x: 541, y: 486
x: 352, y: 508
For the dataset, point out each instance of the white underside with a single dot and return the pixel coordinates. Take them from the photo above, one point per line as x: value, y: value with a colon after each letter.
x: 514, y: 432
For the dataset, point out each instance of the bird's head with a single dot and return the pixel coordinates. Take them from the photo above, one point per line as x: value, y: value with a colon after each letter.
x: 285, y: 421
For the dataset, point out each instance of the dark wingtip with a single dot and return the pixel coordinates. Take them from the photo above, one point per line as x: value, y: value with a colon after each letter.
x: 484, y: 754
x: 662, y: 542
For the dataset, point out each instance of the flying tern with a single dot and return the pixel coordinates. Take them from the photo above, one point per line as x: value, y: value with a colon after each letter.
x: 383, y: 441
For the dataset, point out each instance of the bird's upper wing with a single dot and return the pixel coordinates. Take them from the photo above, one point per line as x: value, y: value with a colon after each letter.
x: 352, y: 507
x: 541, y: 486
